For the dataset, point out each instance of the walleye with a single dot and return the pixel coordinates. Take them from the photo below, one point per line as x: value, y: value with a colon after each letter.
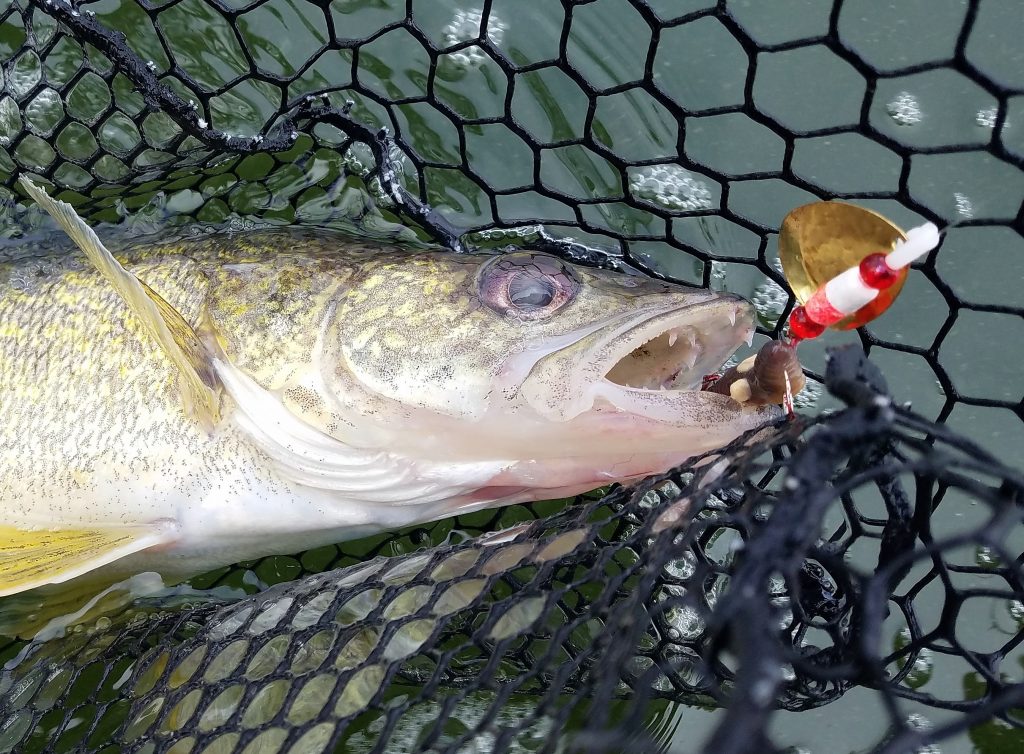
x: 191, y: 405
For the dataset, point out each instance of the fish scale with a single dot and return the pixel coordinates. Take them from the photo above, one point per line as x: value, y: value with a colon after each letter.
x: 84, y: 391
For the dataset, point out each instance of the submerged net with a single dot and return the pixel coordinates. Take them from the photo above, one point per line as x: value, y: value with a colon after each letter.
x: 667, y: 136
x: 733, y: 583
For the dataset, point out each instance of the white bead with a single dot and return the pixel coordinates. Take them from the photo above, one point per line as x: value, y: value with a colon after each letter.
x: 847, y: 292
x: 920, y: 241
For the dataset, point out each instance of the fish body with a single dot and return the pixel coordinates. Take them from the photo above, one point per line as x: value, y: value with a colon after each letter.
x: 351, y: 390
x: 94, y: 432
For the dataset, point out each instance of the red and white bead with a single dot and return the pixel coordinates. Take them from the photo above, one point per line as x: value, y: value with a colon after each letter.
x: 858, y: 286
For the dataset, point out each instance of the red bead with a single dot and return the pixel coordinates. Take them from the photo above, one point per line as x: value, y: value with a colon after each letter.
x: 876, y: 273
x: 803, y: 327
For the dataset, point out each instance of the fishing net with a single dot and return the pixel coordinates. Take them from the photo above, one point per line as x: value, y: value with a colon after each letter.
x: 869, y: 555
x: 731, y: 583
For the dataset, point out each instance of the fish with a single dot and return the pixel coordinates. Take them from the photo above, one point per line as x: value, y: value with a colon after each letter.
x: 187, y: 405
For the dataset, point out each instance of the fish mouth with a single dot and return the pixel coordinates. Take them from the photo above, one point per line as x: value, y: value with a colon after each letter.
x: 659, y: 356
x: 675, y: 351
x: 625, y: 399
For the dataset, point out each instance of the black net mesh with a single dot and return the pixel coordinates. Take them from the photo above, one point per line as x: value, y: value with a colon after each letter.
x: 783, y: 571
x: 667, y: 136
x: 675, y: 144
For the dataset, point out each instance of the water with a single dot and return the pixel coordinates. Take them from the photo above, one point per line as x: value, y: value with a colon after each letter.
x: 671, y: 187
x: 716, y: 174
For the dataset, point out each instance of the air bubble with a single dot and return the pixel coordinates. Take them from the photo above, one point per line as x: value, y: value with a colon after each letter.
x: 808, y: 398
x: 964, y: 205
x: 905, y: 109
x: 986, y: 557
x: 521, y: 232
x: 919, y: 722
x: 769, y: 300
x: 467, y: 25
x: 682, y: 568
x: 986, y: 118
x: 687, y: 621
x: 670, y: 186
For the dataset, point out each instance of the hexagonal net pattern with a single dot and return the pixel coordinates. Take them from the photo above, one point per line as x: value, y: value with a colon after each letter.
x: 867, y: 550
x: 670, y: 136
x: 674, y: 145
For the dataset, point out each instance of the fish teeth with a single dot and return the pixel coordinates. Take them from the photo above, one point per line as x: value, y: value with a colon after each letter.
x: 672, y: 336
x: 732, y: 317
x: 750, y: 338
x: 692, y: 337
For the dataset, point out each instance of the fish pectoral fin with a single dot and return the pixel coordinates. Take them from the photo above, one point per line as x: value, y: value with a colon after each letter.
x: 31, y: 558
x: 177, y: 339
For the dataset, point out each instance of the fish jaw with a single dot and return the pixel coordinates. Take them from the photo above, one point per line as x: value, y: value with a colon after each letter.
x: 663, y: 348
x: 637, y: 382
x: 625, y: 401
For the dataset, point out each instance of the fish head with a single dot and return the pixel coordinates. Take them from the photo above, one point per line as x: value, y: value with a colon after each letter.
x: 561, y: 376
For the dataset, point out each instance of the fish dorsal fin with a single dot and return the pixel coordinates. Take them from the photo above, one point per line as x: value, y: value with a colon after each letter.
x: 179, y: 341
x: 33, y: 557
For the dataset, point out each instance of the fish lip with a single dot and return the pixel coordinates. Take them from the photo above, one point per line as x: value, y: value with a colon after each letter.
x: 718, y: 327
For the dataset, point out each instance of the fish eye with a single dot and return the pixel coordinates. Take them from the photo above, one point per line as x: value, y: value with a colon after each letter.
x: 527, y: 292
x: 527, y: 285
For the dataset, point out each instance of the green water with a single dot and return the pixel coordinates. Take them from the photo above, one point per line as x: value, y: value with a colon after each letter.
x: 739, y: 122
